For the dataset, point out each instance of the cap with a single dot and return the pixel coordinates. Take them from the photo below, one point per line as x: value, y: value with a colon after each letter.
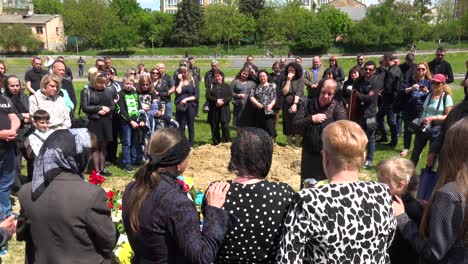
x: 439, y: 78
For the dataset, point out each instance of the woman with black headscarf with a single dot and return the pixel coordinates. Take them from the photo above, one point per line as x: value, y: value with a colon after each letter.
x: 62, y: 216
x: 162, y: 223
x: 293, y: 90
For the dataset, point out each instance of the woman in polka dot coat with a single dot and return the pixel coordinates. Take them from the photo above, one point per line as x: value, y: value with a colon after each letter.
x: 258, y: 205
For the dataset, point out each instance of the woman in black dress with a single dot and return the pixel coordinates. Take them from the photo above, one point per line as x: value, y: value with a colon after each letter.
x: 276, y: 76
x: 241, y: 87
x: 263, y: 99
x: 218, y: 96
x: 258, y: 205
x: 186, y: 103
x: 98, y: 104
x: 313, y: 116
x: 293, y: 90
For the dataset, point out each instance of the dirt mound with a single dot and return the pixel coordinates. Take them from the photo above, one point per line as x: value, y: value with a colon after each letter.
x: 209, y: 163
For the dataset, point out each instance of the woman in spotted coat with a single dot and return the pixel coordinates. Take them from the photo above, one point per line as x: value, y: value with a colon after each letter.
x: 258, y: 205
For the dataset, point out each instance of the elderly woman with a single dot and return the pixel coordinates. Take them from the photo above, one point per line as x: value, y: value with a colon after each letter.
x: 263, y: 98
x: 346, y: 220
x: 313, y: 116
x: 162, y: 223
x: 436, y: 107
x: 62, y: 216
x: 218, y: 95
x: 98, y: 104
x: 49, y: 99
x: 293, y: 90
x: 258, y: 205
x: 443, y: 232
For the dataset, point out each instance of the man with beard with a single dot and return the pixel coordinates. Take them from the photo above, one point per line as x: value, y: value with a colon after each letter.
x: 33, y: 76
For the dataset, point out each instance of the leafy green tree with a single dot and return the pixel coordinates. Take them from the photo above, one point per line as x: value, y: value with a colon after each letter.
x: 251, y: 7
x: 188, y: 23
x: 48, y: 7
x: 89, y: 20
x: 125, y: 9
x: 337, y: 21
x: 313, y: 38
x: 121, y: 36
x: 423, y: 9
x: 226, y: 23
x: 18, y: 37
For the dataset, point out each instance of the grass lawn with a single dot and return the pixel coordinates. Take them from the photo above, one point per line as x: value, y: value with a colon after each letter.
x: 203, y: 136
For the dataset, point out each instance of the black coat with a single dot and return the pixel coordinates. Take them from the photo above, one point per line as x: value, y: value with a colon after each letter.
x: 213, y: 93
x: 442, y: 67
x: 170, y: 227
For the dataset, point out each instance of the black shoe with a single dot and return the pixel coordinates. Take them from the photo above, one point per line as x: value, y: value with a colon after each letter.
x: 367, y: 165
x: 128, y: 168
x: 391, y: 145
x: 105, y: 173
x: 381, y: 140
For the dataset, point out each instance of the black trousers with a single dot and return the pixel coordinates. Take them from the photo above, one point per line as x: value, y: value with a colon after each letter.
x: 215, y: 135
x: 311, y: 167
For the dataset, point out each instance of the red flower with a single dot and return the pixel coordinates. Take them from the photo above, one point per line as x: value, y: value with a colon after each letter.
x: 184, y: 185
x: 110, y: 195
x: 120, y: 207
x: 95, y: 178
x: 110, y: 205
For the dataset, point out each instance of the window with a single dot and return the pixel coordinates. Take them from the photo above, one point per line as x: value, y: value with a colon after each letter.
x: 39, y: 30
x: 202, y: 2
x: 322, y: 2
x: 305, y: 3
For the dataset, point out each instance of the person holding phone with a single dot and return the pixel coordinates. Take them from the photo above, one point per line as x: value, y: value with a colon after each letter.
x: 413, y: 96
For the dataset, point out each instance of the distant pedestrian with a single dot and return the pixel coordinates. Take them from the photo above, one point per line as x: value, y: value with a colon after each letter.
x: 81, y: 64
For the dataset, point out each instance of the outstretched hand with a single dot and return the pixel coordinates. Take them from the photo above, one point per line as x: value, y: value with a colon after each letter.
x: 216, y: 194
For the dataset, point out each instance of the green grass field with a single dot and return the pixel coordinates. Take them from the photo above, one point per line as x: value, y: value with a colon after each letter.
x: 203, y: 136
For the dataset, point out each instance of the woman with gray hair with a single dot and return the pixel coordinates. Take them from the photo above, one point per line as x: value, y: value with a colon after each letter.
x: 258, y: 205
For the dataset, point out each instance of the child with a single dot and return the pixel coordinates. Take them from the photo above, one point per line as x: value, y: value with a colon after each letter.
x: 398, y: 173
x: 133, y: 123
x: 34, y: 141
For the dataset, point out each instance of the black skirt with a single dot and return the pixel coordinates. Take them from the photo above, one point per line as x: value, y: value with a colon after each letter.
x: 102, y: 128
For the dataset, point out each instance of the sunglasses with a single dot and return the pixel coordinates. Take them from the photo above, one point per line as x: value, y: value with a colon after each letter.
x: 133, y: 73
x: 360, y: 59
x: 145, y: 84
x: 368, y: 70
x: 421, y: 69
x: 155, y: 72
x: 440, y: 55
x: 436, y: 83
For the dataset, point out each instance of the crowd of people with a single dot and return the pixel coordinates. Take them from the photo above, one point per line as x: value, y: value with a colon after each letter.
x: 248, y: 219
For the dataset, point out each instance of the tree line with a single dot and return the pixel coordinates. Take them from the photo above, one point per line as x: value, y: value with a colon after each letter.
x: 122, y: 24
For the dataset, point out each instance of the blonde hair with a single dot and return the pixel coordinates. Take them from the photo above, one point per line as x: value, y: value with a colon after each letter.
x: 48, y: 78
x: 98, y: 77
x: 428, y: 74
x: 396, y: 170
x: 346, y: 142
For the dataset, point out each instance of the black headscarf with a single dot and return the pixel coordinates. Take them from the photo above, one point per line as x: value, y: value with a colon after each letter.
x: 67, y: 150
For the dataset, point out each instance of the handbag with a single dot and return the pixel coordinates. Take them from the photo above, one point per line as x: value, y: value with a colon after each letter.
x: 181, y: 107
x: 414, y: 126
x: 81, y: 121
x: 427, y: 181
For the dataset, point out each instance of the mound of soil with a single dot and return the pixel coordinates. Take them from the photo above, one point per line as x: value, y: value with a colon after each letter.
x: 209, y: 163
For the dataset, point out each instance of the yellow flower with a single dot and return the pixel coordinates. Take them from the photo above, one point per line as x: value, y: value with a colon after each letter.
x: 125, y: 254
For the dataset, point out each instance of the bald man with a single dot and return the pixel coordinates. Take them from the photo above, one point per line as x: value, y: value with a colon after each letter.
x: 312, y: 77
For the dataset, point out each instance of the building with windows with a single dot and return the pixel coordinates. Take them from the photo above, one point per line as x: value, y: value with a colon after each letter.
x: 47, y: 28
x: 170, y: 6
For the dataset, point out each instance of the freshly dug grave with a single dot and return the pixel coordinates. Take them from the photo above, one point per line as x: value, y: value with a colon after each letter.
x: 210, y: 163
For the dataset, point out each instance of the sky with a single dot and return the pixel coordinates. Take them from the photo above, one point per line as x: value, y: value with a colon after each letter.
x: 154, y: 4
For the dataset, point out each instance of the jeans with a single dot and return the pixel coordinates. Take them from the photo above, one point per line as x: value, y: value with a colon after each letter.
x: 187, y: 118
x: 131, y: 149
x: 168, y: 109
x: 80, y: 71
x: 370, y: 144
x: 7, y: 177
x: 386, y: 110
